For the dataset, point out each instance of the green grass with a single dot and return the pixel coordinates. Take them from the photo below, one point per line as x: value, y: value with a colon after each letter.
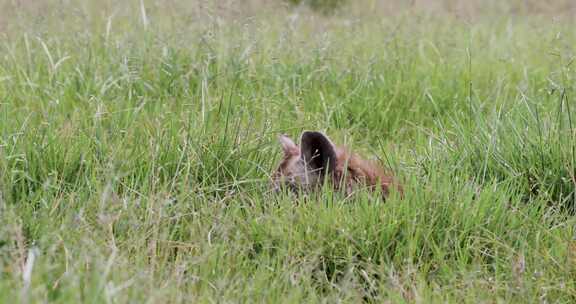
x: 135, y: 152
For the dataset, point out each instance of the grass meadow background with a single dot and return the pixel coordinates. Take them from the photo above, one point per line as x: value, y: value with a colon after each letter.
x: 137, y: 139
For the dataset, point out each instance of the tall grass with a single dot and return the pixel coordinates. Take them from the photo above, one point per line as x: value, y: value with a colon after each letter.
x: 137, y: 139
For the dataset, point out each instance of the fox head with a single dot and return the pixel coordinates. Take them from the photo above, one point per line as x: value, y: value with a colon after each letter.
x: 306, y: 166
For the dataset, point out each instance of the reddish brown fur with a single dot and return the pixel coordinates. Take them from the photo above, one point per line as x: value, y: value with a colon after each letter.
x: 350, y: 172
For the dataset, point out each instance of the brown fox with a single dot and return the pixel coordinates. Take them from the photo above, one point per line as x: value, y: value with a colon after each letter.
x: 307, y: 166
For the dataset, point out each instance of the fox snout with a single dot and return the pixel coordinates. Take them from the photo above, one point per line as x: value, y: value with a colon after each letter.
x: 316, y: 160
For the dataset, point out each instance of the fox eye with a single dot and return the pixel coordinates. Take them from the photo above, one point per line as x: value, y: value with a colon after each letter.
x: 354, y: 174
x: 351, y: 172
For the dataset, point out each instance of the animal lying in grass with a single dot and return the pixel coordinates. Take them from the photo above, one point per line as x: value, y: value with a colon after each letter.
x: 317, y: 159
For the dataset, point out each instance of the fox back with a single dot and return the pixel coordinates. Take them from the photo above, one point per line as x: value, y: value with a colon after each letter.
x: 307, y: 166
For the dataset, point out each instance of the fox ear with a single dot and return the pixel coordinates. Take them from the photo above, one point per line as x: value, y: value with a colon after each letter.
x: 318, y: 151
x: 289, y: 147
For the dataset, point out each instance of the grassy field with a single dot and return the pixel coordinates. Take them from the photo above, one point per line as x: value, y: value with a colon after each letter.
x: 137, y: 139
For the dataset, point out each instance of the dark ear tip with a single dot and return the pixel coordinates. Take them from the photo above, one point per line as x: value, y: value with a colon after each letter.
x: 307, y: 132
x: 312, y: 142
x: 310, y: 135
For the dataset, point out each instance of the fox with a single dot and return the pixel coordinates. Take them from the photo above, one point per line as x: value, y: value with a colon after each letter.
x: 305, y: 167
